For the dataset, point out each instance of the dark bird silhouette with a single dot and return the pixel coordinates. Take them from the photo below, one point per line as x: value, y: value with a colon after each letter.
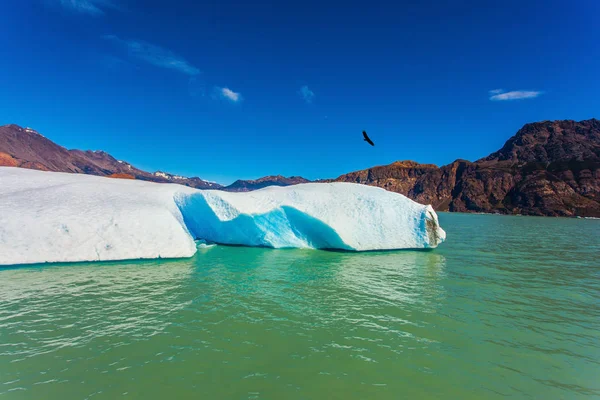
x: 367, y: 139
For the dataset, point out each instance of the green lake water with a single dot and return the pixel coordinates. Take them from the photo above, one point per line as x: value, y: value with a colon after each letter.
x: 507, y: 306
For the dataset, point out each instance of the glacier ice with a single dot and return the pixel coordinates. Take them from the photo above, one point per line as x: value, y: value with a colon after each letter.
x: 58, y: 217
x: 314, y: 215
x: 54, y: 217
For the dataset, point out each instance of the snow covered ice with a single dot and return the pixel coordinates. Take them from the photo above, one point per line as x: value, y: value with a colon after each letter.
x: 51, y: 216
x: 57, y: 217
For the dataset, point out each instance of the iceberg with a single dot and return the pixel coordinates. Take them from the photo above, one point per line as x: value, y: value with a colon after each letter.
x: 60, y: 217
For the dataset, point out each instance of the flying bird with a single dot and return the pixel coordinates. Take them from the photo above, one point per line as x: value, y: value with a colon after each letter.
x: 366, y: 139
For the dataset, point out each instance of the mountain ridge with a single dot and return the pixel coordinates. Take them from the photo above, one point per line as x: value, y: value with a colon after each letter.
x: 272, y: 180
x: 27, y: 148
x: 546, y: 168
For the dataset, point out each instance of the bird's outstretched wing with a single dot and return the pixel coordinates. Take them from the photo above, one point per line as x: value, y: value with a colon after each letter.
x: 367, y: 139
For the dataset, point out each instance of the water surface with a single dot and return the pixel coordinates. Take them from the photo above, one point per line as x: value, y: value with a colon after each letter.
x: 508, y: 306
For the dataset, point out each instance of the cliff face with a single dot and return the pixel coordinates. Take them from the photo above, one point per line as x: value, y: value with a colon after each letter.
x: 551, y: 141
x: 547, y: 168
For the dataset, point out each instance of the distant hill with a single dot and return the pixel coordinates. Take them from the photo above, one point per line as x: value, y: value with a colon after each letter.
x: 26, y: 148
x: 278, y: 180
x: 546, y: 168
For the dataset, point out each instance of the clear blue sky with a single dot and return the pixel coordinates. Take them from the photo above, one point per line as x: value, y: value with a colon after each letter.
x: 229, y: 89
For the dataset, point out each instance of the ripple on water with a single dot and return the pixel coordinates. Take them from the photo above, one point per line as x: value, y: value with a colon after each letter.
x: 506, y: 307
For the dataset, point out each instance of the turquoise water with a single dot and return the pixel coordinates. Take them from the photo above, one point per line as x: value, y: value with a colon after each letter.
x: 508, y: 306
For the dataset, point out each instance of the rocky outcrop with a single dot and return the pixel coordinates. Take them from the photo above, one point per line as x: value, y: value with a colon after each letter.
x: 547, y: 168
x: 120, y: 175
x: 6, y: 160
x: 552, y: 141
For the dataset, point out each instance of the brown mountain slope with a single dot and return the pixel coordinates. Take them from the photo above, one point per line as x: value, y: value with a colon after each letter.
x: 547, y: 168
x: 26, y: 148
x: 551, y: 141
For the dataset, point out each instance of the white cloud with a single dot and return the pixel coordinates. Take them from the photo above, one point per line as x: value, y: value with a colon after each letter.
x: 155, y: 55
x: 91, y: 7
x: 228, y: 94
x: 307, y: 94
x: 500, y: 95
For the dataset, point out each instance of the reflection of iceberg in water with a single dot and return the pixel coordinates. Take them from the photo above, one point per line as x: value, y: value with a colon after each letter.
x: 332, y: 286
x: 400, y: 279
x: 345, y: 305
x: 59, y: 280
x: 202, y: 244
x: 84, y: 302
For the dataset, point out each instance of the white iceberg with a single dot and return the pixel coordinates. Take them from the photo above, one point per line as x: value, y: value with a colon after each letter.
x: 59, y: 217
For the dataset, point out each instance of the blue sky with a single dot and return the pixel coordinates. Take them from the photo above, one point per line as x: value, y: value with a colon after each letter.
x: 230, y: 89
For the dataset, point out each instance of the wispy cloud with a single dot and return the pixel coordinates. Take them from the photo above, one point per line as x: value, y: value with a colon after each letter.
x: 155, y: 55
x: 164, y: 58
x: 228, y: 94
x: 501, y: 95
x: 90, y: 7
x: 307, y: 94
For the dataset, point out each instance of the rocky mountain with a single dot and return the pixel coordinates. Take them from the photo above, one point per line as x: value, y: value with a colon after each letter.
x: 26, y: 148
x: 277, y: 180
x: 552, y: 141
x: 547, y: 168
